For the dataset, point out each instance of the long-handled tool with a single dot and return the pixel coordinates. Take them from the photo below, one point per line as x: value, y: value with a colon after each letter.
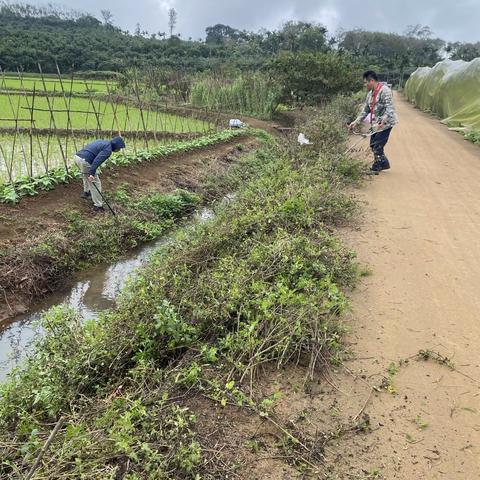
x: 356, y: 144
x: 363, y: 135
x: 103, y: 197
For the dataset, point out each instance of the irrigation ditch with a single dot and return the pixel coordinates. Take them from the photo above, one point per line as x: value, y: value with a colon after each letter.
x: 88, y: 292
x: 39, y: 237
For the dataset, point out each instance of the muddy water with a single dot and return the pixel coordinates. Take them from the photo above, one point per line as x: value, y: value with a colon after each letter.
x: 89, y: 293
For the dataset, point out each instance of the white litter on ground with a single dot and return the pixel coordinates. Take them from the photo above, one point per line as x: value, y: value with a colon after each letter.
x: 236, y: 123
x: 303, y: 140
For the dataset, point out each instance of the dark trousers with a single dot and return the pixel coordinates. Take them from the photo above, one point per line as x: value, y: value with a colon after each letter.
x: 378, y: 142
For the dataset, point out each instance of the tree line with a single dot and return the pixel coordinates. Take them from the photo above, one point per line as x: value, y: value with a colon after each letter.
x: 50, y: 35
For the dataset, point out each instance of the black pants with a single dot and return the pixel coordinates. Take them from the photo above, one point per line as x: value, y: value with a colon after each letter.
x: 378, y: 142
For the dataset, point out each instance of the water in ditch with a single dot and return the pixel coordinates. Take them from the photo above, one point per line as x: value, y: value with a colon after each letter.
x: 89, y: 293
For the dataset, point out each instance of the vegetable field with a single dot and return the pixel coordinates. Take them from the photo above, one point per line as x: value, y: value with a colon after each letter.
x: 16, y: 161
x: 50, y: 171
x: 45, y: 121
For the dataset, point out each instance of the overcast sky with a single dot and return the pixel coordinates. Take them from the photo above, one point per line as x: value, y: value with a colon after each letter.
x: 449, y: 19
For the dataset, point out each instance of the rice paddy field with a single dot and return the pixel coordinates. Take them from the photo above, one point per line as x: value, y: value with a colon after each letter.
x: 55, y: 85
x: 62, y: 124
x: 90, y: 114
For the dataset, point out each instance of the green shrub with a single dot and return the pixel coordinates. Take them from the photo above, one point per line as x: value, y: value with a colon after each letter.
x: 473, y: 136
x: 312, y: 78
x: 245, y: 94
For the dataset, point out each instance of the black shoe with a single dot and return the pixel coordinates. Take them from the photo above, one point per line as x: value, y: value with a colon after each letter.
x: 384, y: 164
x: 376, y: 166
x: 86, y: 195
x: 98, y: 209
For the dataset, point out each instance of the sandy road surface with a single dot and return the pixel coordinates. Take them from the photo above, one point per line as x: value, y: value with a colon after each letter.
x: 421, y: 239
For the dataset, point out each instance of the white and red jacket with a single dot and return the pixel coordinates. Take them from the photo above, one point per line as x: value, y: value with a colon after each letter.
x: 379, y: 103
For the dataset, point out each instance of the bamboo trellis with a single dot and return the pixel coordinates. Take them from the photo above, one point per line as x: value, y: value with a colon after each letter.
x: 136, y: 118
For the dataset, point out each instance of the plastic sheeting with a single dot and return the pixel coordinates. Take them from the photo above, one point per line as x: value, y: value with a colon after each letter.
x: 450, y: 90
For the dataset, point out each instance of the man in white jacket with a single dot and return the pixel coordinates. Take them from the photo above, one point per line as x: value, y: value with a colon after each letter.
x: 379, y: 105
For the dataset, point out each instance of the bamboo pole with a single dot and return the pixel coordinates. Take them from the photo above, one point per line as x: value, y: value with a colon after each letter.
x: 32, y: 124
x: 114, y: 106
x: 156, y: 123
x: 45, y: 164
x: 111, y: 105
x: 9, y: 167
x: 99, y: 127
x: 70, y: 96
x: 135, y: 138
x: 205, y: 124
x: 52, y: 117
x: 57, y: 110
x: 31, y: 119
x: 15, y: 119
x: 161, y: 118
x: 140, y: 106
x: 67, y: 107
x: 87, y: 118
x: 145, y: 96
x: 99, y: 110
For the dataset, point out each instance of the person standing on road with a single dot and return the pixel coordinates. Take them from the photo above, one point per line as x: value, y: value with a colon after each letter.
x: 379, y: 105
x: 88, y: 159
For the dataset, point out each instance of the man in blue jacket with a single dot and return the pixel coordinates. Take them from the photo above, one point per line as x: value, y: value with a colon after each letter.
x: 88, y: 159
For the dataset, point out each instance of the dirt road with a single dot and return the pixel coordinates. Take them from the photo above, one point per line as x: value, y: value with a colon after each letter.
x: 421, y: 239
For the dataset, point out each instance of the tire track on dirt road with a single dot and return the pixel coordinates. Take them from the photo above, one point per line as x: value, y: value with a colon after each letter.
x: 421, y: 239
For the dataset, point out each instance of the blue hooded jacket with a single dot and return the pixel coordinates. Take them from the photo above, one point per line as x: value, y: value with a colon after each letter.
x: 97, y: 152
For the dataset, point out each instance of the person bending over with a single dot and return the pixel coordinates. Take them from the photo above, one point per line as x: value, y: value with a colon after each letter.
x: 88, y: 159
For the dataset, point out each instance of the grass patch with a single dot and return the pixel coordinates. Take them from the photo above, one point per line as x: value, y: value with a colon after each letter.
x: 248, y: 94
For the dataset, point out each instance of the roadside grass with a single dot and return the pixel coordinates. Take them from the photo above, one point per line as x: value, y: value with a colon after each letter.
x: 262, y: 283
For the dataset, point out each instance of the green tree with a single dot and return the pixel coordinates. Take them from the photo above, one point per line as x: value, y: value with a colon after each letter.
x: 391, y: 52
x: 310, y: 78
x: 463, y: 51
x: 220, y: 34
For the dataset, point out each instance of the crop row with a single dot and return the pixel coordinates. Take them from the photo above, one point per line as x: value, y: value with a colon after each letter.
x: 29, y: 186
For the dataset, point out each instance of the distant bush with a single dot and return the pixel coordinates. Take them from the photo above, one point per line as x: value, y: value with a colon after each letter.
x: 98, y: 75
x: 312, y: 78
